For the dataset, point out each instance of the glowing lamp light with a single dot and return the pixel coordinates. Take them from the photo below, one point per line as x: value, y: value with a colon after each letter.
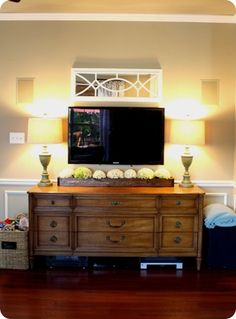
x: 1, y: 2
x: 233, y: 2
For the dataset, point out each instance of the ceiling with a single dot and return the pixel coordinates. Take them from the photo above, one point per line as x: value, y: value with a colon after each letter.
x: 195, y: 7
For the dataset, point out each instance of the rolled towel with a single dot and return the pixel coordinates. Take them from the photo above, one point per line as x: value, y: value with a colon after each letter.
x: 219, y: 215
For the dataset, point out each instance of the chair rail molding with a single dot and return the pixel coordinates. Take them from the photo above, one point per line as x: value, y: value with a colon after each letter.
x: 201, y: 183
x: 220, y: 191
x: 18, y: 182
x: 118, y: 17
x: 213, y: 183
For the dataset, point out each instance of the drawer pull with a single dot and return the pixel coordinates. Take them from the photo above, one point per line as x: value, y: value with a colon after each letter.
x: 53, y: 202
x: 178, y: 224
x: 110, y: 224
x: 53, y: 239
x: 115, y: 241
x: 177, y: 240
x: 53, y: 224
x: 115, y: 203
x: 178, y: 202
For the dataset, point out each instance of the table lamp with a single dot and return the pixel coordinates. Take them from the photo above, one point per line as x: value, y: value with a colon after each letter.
x: 44, y: 131
x: 189, y: 133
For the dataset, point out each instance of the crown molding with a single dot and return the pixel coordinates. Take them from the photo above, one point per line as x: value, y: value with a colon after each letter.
x: 117, y: 17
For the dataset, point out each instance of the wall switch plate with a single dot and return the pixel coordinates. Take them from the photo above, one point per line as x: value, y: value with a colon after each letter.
x: 17, y: 138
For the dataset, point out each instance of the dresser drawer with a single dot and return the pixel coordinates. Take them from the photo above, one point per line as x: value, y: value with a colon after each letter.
x: 178, y: 223
x: 108, y: 240
x: 178, y: 202
x: 52, y: 240
x: 52, y: 223
x: 52, y: 201
x: 115, y: 224
x: 115, y: 202
x: 178, y: 241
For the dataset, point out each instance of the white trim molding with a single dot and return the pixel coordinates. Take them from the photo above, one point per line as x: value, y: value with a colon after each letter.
x: 200, y: 183
x: 224, y: 196
x: 18, y: 182
x: 6, y: 199
x: 213, y: 183
x: 118, y: 17
x: 120, y: 85
x: 235, y: 202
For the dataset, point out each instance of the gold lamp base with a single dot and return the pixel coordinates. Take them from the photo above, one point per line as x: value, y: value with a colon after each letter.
x: 45, y: 158
x: 187, y: 159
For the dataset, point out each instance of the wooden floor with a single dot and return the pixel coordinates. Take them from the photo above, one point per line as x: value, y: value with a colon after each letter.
x: 118, y: 293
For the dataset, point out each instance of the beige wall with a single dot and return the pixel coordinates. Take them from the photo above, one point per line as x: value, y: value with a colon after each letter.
x: 187, y: 53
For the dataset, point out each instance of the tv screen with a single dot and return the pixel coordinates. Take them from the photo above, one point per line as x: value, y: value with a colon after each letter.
x: 116, y: 135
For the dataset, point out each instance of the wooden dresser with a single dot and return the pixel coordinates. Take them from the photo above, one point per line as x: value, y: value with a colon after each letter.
x: 116, y: 221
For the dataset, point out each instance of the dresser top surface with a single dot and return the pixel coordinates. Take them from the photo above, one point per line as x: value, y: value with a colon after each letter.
x: 54, y: 189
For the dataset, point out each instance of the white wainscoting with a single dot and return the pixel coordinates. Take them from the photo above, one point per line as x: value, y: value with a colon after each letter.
x: 15, y: 202
x: 14, y: 199
x: 216, y: 198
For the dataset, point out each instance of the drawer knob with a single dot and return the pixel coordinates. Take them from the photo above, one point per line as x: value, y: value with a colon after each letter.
x: 178, y: 224
x: 53, y: 202
x: 115, y: 203
x: 112, y: 225
x: 177, y: 240
x: 115, y: 241
x: 53, y: 239
x: 53, y: 224
x: 178, y: 202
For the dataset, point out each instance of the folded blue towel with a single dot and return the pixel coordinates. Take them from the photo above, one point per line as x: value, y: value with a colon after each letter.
x: 219, y: 215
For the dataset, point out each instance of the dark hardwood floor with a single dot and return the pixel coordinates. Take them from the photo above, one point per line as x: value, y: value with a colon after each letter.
x: 118, y: 293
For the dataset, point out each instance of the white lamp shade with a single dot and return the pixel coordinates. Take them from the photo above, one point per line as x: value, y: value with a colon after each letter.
x: 187, y: 132
x: 2, y: 1
x: 44, y: 131
x: 233, y: 2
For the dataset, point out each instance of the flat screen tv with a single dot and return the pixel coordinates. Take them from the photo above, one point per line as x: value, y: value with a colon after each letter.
x: 116, y: 135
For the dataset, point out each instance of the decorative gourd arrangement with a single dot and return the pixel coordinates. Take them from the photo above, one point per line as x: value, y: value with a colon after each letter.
x: 84, y: 176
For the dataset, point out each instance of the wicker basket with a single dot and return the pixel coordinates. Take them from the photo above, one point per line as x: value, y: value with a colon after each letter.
x: 14, y: 250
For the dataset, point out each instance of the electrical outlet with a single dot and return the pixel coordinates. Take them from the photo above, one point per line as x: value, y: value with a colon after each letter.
x: 17, y: 138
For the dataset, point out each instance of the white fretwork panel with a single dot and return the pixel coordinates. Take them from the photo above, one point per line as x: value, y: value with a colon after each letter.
x: 116, y: 85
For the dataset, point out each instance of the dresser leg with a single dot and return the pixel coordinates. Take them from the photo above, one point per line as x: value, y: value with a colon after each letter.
x: 31, y: 262
x: 199, y: 261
